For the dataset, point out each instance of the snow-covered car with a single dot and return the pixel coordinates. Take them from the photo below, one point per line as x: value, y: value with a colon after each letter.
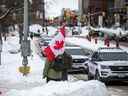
x: 35, y: 30
x: 79, y: 59
x: 108, y: 64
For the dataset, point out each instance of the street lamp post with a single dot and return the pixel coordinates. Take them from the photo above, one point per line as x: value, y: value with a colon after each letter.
x: 127, y: 17
x: 25, y: 43
x: 43, y: 10
x: 0, y: 44
x: 43, y: 13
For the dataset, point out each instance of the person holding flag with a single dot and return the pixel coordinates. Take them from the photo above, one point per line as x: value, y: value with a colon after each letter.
x: 56, y: 61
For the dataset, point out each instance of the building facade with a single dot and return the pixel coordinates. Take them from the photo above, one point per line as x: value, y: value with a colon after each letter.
x: 112, y: 9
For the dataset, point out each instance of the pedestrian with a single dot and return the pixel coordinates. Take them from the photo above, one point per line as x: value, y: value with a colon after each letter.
x: 46, y: 30
x: 67, y: 65
x: 117, y: 40
x: 57, y: 70
x: 50, y: 73
x: 106, y: 40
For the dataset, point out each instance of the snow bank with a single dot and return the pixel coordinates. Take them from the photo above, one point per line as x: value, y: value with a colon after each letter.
x: 79, y: 88
x: 84, y: 43
x: 117, y: 31
x: 12, y: 44
x: 11, y: 62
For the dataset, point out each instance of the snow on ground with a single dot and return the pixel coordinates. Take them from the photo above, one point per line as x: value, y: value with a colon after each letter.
x: 83, y: 42
x: 9, y: 69
x: 13, y: 83
x: 117, y: 31
x: 79, y: 88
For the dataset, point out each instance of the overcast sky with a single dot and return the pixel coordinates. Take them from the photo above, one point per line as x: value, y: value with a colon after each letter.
x: 56, y: 6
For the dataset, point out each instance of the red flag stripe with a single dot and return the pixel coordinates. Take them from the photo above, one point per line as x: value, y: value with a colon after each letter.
x: 49, y: 54
x: 62, y: 30
x: 56, y: 46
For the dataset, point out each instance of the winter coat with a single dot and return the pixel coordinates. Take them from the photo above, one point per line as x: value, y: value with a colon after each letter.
x: 51, y: 73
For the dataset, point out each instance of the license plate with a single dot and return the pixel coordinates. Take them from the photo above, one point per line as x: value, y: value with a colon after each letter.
x: 121, y: 75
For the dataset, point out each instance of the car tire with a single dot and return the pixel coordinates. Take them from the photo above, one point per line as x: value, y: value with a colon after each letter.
x: 123, y: 39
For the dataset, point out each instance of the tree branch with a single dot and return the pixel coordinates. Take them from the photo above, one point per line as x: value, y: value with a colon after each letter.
x: 6, y: 13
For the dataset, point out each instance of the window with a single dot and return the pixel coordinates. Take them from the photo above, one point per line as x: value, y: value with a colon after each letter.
x: 113, y: 56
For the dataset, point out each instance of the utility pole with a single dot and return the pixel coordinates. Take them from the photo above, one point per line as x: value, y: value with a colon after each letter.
x: 0, y: 44
x: 25, y: 43
x: 127, y: 17
x: 43, y: 11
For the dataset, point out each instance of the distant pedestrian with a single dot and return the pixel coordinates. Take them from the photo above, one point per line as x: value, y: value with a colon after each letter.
x: 96, y: 40
x: 67, y: 65
x: 106, y: 41
x: 46, y: 30
x: 31, y: 35
x: 117, y: 41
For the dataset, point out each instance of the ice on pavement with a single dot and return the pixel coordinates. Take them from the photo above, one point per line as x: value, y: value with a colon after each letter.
x: 78, y: 88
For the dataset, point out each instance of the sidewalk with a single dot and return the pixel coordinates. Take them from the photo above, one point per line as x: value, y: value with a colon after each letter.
x: 10, y: 77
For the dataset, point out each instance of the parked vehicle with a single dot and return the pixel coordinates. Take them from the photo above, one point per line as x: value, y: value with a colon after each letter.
x: 43, y: 43
x: 79, y: 58
x: 75, y: 31
x: 107, y: 64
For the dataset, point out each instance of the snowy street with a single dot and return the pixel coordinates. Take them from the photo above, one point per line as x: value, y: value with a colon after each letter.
x: 12, y: 79
x: 63, y: 47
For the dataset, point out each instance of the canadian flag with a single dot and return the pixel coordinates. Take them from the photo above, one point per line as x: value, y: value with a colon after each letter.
x: 56, y: 46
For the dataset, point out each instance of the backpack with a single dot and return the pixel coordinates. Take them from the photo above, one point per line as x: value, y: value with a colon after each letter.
x: 58, y: 64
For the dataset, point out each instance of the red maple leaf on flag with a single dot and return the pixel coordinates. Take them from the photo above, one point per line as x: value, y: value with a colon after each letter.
x: 59, y: 44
